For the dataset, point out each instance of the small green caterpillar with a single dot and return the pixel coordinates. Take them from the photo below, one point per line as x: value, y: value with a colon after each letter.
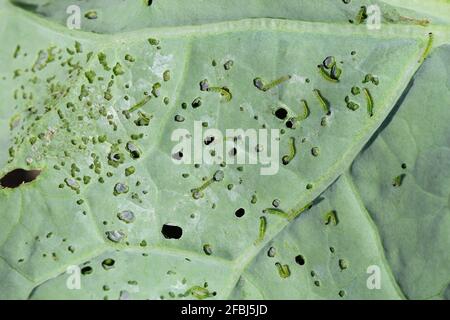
x: 283, y: 270
x: 291, y: 215
x: 322, y: 101
x: 292, y: 151
x: 295, y: 213
x: 258, y: 83
x: 137, y: 106
x: 398, y: 180
x: 262, y: 229
x: 428, y: 47
x: 276, y: 212
x: 369, y: 100
x: 331, y: 217
x: 300, y: 117
x: 306, y: 111
x: 224, y: 92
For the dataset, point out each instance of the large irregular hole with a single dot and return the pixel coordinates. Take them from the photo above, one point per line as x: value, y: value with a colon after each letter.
x: 171, y: 232
x: 17, y: 177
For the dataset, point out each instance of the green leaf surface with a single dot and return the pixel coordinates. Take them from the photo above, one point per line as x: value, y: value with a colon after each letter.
x: 95, y: 109
x: 110, y: 18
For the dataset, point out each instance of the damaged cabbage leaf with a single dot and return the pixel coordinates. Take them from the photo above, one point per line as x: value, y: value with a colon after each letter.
x: 95, y: 114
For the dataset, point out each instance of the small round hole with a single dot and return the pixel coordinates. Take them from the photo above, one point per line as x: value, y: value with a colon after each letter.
x: 86, y: 270
x: 240, y: 212
x: 300, y: 260
x: 108, y: 264
x: 281, y: 113
x: 178, y: 155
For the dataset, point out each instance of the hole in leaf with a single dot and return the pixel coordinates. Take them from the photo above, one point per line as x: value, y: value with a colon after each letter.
x: 300, y: 260
x: 281, y: 113
x: 209, y: 140
x: 149, y: 2
x: 232, y: 152
x: 26, y: 6
x: 86, y: 270
x: 108, y: 264
x: 240, y: 212
x: 207, y: 249
x: 171, y: 232
x: 343, y: 264
x: 16, y: 177
x: 276, y: 203
x: 178, y: 155
x: 290, y: 124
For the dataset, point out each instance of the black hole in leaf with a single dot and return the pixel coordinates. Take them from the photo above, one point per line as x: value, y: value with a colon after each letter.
x: 232, y: 152
x: 281, y: 113
x: 171, y: 232
x: 86, y: 270
x: 239, y: 212
x: 108, y: 263
x: 149, y: 2
x: 178, y: 155
x: 300, y: 260
x: 209, y: 140
x: 16, y: 177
